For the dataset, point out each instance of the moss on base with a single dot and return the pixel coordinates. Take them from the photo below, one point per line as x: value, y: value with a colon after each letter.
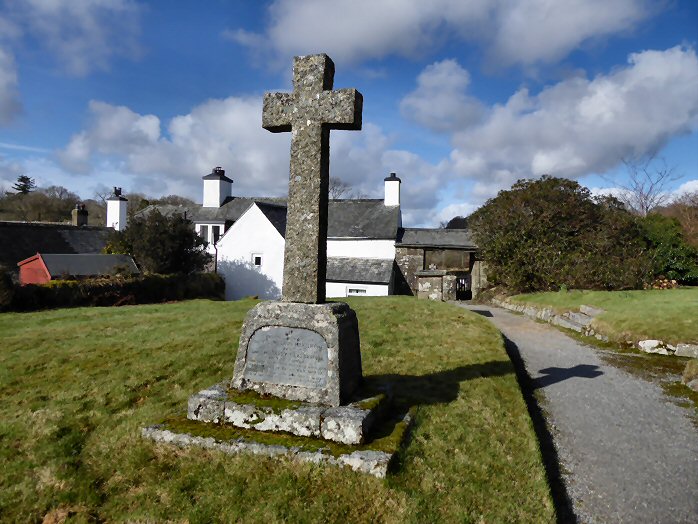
x: 276, y: 404
x: 387, y: 436
x: 369, y: 397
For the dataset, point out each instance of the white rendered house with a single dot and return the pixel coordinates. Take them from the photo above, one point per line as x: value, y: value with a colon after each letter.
x: 251, y: 253
x: 369, y: 253
x: 360, y: 250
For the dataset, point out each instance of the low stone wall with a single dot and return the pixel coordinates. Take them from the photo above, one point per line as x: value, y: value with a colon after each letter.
x: 581, y: 322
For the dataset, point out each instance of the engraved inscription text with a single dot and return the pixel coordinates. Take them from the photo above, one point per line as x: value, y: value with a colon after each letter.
x: 287, y: 356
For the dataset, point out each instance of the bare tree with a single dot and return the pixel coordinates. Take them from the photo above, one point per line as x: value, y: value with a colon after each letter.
x: 339, y: 188
x: 102, y: 193
x: 685, y: 209
x: 649, y: 178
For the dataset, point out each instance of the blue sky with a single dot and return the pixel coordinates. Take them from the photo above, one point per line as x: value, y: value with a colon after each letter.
x: 461, y: 98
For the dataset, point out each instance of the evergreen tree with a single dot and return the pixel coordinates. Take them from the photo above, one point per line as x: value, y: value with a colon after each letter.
x: 544, y: 234
x: 24, y: 185
x: 161, y: 244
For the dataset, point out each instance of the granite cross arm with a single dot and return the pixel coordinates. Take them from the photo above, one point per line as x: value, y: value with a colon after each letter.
x: 309, y: 112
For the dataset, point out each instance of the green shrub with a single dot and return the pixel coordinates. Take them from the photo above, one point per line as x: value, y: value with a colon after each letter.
x: 671, y: 256
x: 544, y: 234
x: 144, y: 289
x: 7, y: 290
x: 161, y: 244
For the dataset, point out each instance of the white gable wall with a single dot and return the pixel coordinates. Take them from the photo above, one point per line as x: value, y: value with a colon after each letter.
x: 348, y: 289
x: 252, y: 234
x: 384, y: 249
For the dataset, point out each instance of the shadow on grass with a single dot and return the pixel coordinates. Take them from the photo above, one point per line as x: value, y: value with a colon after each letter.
x: 436, y: 388
x: 412, y: 391
x: 551, y: 461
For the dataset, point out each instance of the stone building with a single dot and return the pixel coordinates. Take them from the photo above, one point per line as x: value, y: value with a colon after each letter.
x: 439, y: 264
x: 369, y: 253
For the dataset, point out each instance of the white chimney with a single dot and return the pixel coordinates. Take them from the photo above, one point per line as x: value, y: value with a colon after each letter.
x: 217, y: 188
x: 117, y: 210
x: 392, y: 190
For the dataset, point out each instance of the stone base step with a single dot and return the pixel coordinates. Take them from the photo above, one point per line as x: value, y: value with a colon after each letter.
x: 376, y: 461
x: 348, y: 424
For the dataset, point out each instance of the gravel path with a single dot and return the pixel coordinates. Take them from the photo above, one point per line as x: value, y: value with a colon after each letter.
x: 626, y: 452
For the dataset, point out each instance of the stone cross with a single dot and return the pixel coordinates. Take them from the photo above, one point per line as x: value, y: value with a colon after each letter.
x: 310, y: 111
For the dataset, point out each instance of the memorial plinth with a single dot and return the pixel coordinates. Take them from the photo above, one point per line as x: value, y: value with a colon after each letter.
x: 306, y: 352
x: 301, y: 349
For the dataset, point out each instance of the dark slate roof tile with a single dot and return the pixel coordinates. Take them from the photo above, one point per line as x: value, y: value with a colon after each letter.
x: 20, y: 240
x: 365, y: 218
x: 87, y: 264
x: 367, y: 270
x: 276, y: 215
x: 417, y: 237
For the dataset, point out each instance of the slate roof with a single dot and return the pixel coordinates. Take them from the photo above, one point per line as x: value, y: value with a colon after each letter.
x: 20, y: 240
x: 87, y: 264
x: 363, y: 218
x: 230, y: 211
x: 365, y: 270
x: 276, y: 215
x: 444, y: 238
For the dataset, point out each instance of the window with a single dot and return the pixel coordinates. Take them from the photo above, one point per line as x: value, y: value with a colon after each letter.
x: 257, y: 259
x: 203, y: 232
x: 356, y: 291
x: 215, y: 233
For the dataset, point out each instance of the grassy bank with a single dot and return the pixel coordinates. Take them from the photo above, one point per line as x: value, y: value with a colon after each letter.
x: 78, y: 384
x: 669, y: 314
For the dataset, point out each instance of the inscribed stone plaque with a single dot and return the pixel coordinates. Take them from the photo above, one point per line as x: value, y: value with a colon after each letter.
x: 287, y: 356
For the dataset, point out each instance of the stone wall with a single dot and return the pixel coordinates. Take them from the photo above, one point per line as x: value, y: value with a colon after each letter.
x: 430, y: 287
x: 409, y: 260
x: 436, y: 285
x: 478, y: 279
x: 582, y: 322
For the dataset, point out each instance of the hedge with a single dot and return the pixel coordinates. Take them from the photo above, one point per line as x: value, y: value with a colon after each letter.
x: 146, y: 289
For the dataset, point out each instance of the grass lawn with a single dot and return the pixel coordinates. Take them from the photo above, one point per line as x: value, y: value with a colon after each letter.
x: 670, y: 315
x: 78, y: 384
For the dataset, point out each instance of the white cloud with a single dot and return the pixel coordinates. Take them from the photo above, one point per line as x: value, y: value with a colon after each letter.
x: 224, y: 132
x: 9, y: 171
x: 530, y: 31
x: 10, y: 105
x: 581, y: 126
x: 512, y: 31
x: 228, y: 133
x: 690, y: 186
x: 462, y: 209
x: 84, y: 34
x: 439, y: 102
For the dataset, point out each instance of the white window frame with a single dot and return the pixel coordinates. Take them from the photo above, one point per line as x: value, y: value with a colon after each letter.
x: 261, y: 259
x: 359, y: 291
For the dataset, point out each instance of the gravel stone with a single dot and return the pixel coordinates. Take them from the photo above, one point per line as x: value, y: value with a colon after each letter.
x: 628, y: 454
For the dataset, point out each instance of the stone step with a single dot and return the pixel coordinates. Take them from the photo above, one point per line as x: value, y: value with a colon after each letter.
x: 579, y: 318
x: 349, y: 424
x: 372, y: 458
x: 591, y: 310
x: 567, y: 323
